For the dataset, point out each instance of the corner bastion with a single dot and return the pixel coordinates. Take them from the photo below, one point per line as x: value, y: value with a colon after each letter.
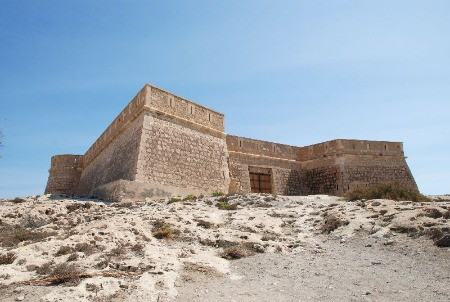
x: 166, y: 145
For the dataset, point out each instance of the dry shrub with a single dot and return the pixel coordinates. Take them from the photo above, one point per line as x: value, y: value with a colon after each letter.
x: 11, y: 235
x: 242, y: 250
x: 204, y: 224
x: 269, y: 237
x: 77, y: 205
x: 138, y: 249
x: 164, y: 231
x: 65, y: 274
x: 44, y: 269
x: 126, y: 205
x: 190, y: 197
x: 331, y: 223
x: 386, y: 191
x: 72, y: 257
x: 17, y: 200
x: 174, y: 200
x: 7, y: 258
x: 446, y: 214
x: 118, y: 251
x: 432, y: 213
x: 64, y: 250
x: 223, y: 204
x: 85, y: 248
x: 33, y: 222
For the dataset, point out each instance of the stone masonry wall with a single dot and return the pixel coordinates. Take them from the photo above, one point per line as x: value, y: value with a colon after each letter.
x: 64, y: 174
x: 370, y: 170
x: 175, y: 155
x: 244, y: 153
x: 116, y: 161
x: 163, y: 139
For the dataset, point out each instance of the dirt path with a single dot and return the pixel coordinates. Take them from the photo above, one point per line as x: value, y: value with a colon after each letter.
x: 357, y: 270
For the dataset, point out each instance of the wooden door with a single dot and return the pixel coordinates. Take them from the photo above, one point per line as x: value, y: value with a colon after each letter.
x: 260, y: 183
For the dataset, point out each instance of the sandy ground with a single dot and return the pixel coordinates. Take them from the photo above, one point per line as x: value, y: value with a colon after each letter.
x: 351, y: 271
x: 294, y: 249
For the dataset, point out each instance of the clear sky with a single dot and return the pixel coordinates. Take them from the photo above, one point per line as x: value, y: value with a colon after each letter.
x: 296, y: 72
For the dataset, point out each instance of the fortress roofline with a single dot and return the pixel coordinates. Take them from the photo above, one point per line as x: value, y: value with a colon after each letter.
x: 183, y: 98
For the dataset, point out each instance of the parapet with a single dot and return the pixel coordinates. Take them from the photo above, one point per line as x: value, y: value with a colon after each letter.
x: 261, y: 148
x: 350, y: 147
x: 158, y: 101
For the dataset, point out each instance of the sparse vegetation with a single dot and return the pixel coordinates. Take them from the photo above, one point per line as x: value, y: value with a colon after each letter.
x: 223, y: 204
x: 72, y: 257
x: 44, y: 269
x: 119, y: 251
x: 7, y: 258
x: 17, y: 200
x: 138, y: 249
x: 242, y: 250
x: 204, y: 224
x: 164, y: 231
x: 190, y: 197
x: 432, y: 213
x: 33, y: 222
x: 386, y: 191
x: 331, y: 223
x: 11, y: 235
x: 217, y: 194
x: 65, y: 274
x: 174, y: 199
x: 86, y: 248
x: 64, y: 250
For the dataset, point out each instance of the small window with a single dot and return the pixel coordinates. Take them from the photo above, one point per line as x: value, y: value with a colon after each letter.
x: 171, y: 102
x: 192, y: 109
x: 385, y: 147
x: 209, y: 116
x: 240, y: 144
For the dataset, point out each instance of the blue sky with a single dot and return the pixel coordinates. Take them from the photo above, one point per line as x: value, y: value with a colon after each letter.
x: 296, y: 72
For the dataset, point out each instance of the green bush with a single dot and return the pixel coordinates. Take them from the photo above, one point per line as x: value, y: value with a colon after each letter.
x: 386, y: 191
x: 217, y: 194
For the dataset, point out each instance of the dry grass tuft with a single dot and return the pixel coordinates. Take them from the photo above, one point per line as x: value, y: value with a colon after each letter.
x: 331, y: 223
x: 64, y: 250
x: 86, y: 248
x: 65, y: 274
x: 17, y: 200
x: 241, y: 251
x: 432, y: 213
x: 190, y: 197
x: 7, y: 258
x: 164, y: 231
x: 386, y: 191
x: 118, y: 251
x: 204, y: 224
x: 12, y: 235
x: 223, y: 204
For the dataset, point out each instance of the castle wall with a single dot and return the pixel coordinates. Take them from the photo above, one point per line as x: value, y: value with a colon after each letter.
x: 183, y: 145
x: 245, y: 154
x: 117, y: 160
x: 64, y: 174
x: 338, y: 166
x: 174, y: 145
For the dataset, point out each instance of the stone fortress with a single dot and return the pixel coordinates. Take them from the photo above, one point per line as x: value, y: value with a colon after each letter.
x: 162, y: 145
